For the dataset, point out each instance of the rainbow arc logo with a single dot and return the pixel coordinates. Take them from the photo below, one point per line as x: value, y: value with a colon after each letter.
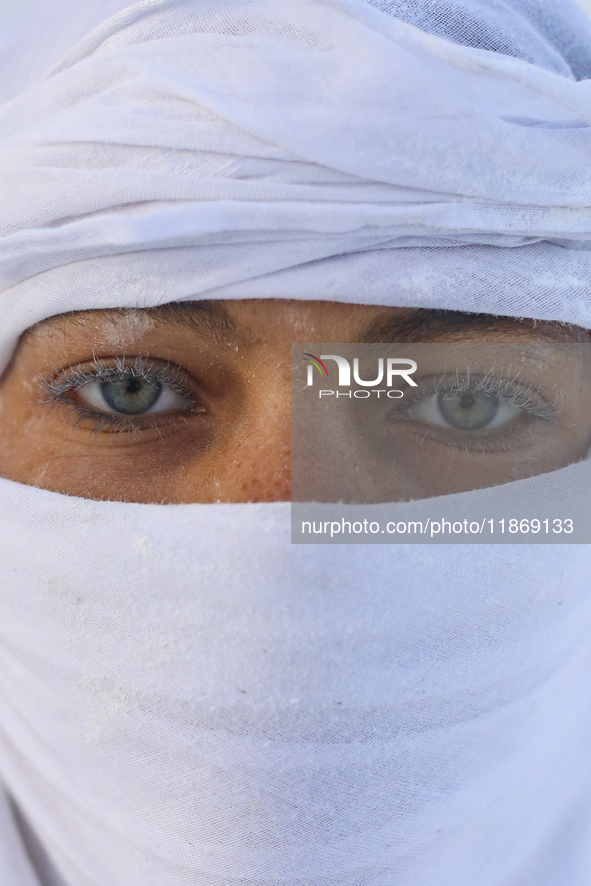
x: 317, y: 362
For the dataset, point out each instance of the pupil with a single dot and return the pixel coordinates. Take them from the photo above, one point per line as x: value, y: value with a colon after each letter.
x: 467, y: 401
x: 132, y: 385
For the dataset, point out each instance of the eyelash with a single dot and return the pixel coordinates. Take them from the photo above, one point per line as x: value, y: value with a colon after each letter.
x: 509, y: 389
x: 58, y: 390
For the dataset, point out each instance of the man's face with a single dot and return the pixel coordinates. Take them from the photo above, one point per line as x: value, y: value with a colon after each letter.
x: 191, y: 402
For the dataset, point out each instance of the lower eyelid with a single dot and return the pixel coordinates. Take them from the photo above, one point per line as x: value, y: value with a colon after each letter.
x: 100, y: 421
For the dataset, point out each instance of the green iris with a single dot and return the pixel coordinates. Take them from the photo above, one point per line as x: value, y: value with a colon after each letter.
x: 131, y: 395
x: 468, y: 410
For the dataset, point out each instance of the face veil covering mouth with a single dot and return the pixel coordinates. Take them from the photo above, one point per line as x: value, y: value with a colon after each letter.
x: 186, y: 699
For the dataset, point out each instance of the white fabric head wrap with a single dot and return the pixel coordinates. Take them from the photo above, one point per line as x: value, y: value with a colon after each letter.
x: 163, y: 163
x: 186, y: 699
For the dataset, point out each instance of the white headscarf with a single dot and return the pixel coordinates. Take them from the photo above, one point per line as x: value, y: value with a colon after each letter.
x: 185, y: 698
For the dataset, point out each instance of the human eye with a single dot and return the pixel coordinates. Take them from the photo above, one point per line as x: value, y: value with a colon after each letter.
x: 478, y: 404
x: 123, y: 394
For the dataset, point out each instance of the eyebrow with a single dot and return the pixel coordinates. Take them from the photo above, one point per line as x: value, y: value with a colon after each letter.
x: 203, y: 317
x: 420, y: 324
x: 430, y: 325
x: 209, y: 319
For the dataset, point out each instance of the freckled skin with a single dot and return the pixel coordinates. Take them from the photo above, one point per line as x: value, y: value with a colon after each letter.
x: 238, y: 448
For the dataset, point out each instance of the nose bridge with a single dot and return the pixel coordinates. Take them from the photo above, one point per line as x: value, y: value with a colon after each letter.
x: 260, y: 463
x: 268, y: 471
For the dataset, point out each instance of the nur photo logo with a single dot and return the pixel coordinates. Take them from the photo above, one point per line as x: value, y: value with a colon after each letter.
x: 388, y: 371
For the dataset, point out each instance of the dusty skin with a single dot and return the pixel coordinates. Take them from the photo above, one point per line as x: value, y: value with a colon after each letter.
x: 219, y: 375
